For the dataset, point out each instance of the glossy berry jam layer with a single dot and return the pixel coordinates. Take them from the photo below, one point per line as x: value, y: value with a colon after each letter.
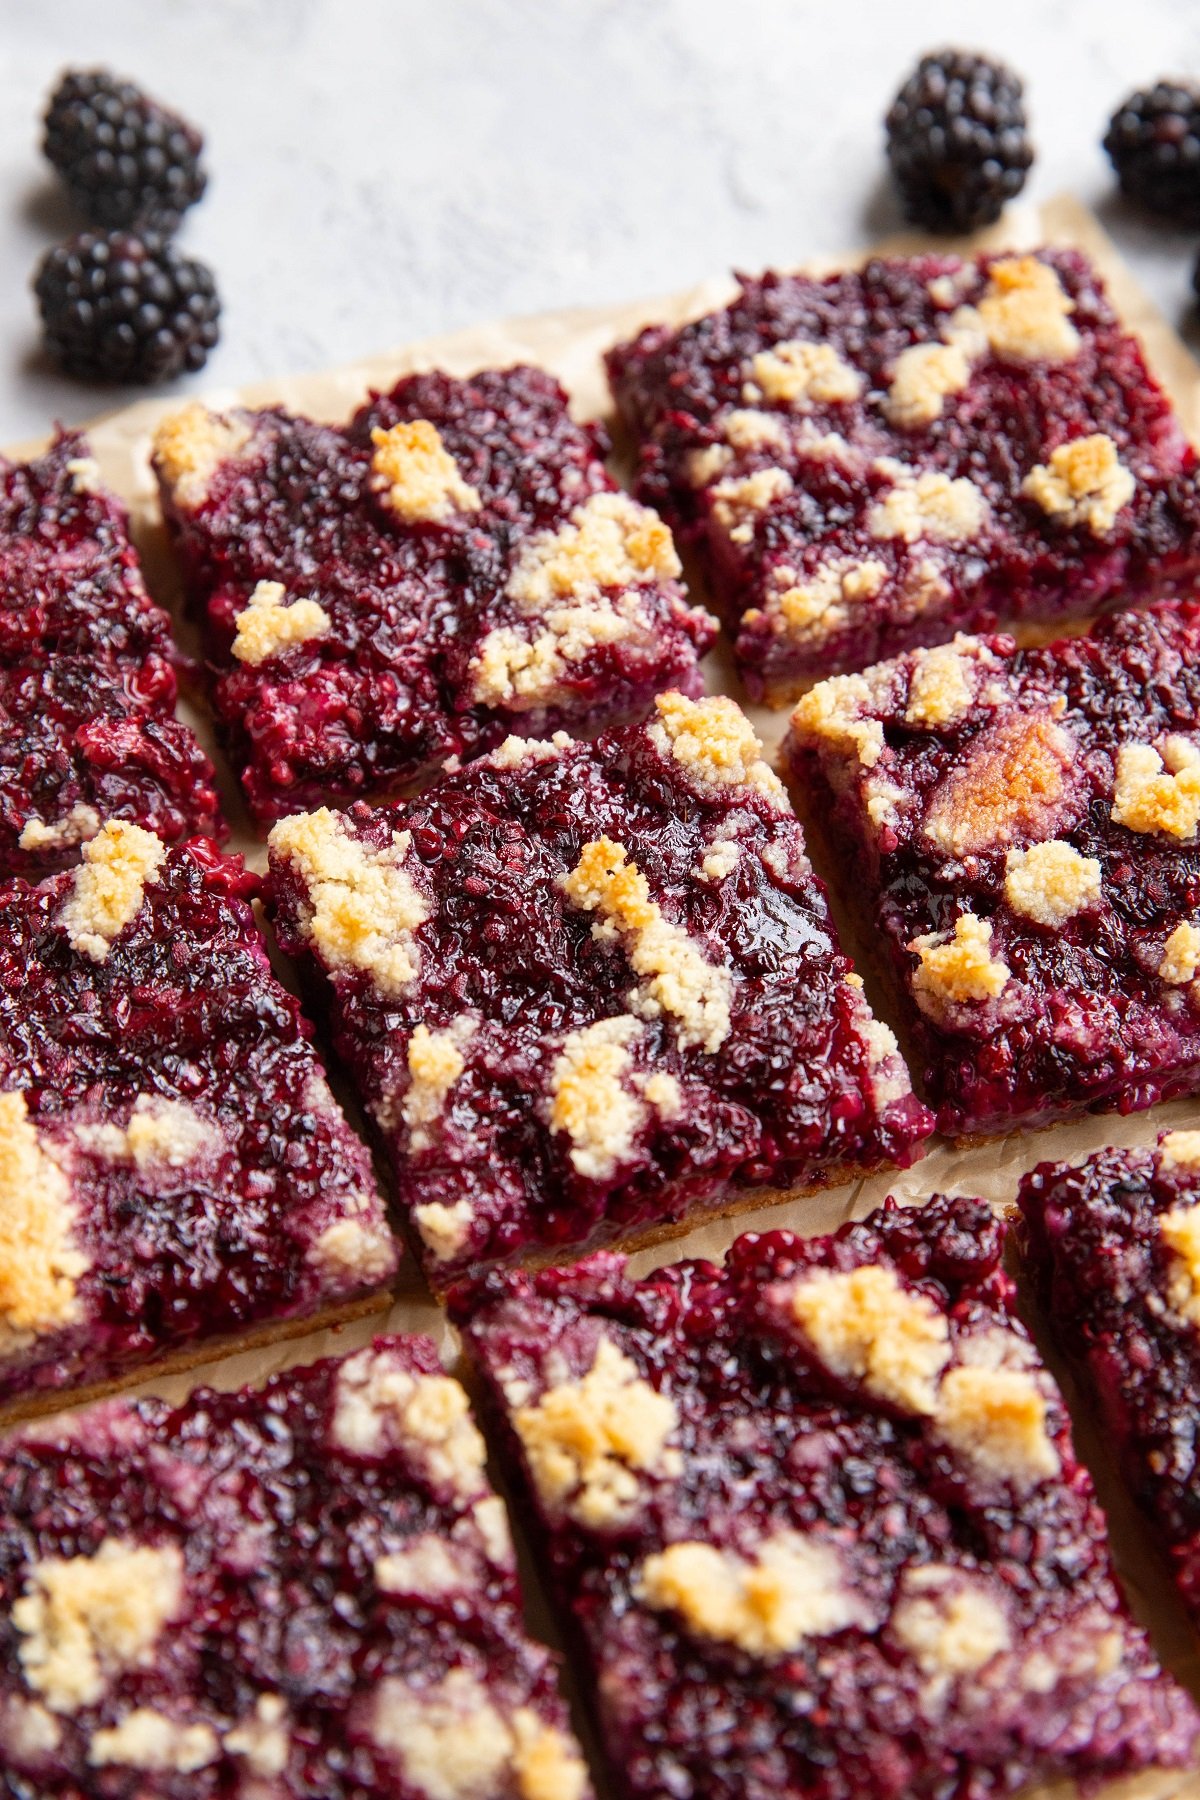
x: 304, y: 1590
x: 452, y: 564
x: 173, y: 1166
x: 816, y: 1522
x: 1021, y: 831
x: 869, y: 462
x: 1113, y: 1246
x: 585, y: 990
x: 87, y: 674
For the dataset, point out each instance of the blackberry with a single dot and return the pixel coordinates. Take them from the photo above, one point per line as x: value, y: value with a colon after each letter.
x: 121, y: 308
x: 1153, y: 142
x: 125, y: 159
x: 957, y: 140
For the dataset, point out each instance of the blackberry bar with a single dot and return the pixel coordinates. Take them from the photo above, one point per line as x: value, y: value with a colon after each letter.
x: 174, y: 1170
x: 383, y: 596
x: 1114, y: 1246
x: 590, y: 990
x: 87, y: 674
x: 299, y: 1591
x: 1020, y: 830
x: 868, y: 462
x: 816, y: 1521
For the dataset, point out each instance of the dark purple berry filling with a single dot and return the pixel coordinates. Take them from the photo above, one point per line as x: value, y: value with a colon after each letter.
x: 87, y: 674
x: 308, y: 1590
x: 816, y: 1521
x: 452, y: 563
x: 586, y: 990
x: 1021, y: 829
x: 872, y: 461
x: 173, y: 1166
x: 1113, y: 1245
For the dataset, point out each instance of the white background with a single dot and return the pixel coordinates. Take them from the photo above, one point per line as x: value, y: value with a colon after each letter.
x: 380, y: 171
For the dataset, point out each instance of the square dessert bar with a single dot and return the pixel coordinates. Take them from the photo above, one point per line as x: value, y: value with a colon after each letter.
x: 1021, y: 830
x: 816, y: 1521
x: 87, y: 674
x: 869, y: 462
x: 1114, y: 1246
x: 174, y: 1170
x: 308, y: 1590
x: 590, y: 990
x: 383, y: 596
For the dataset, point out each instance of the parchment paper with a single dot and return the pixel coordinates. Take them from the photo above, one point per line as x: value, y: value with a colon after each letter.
x: 571, y: 344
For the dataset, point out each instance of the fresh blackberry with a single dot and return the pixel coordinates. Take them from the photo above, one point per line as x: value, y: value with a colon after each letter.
x: 121, y: 308
x: 125, y: 159
x: 1153, y: 141
x: 957, y: 140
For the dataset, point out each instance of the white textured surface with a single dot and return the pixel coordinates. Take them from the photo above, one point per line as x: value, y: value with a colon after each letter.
x: 383, y: 169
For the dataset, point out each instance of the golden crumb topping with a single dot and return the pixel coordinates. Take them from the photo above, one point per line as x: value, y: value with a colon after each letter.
x: 262, y: 1739
x: 39, y: 1264
x: 834, y: 715
x: 1084, y: 483
x: 867, y: 1327
x: 110, y: 885
x: 609, y: 542
x: 957, y: 968
x: 1009, y: 782
x: 792, y: 1589
x: 161, y: 1134
x: 1024, y: 314
x: 362, y: 905
x: 1180, y: 1232
x: 416, y: 476
x: 580, y: 583
x: 738, y: 501
x: 448, y: 1738
x: 379, y: 1401
x: 1180, y: 1150
x: 444, y: 1229
x: 708, y: 465
x: 352, y: 1249
x: 516, y: 750
x: 587, y: 1442
x: 922, y: 377
x: 435, y: 1062
x: 715, y: 742
x: 1181, y: 955
x: 1158, y: 790
x: 931, y: 507
x: 590, y: 1096
x: 677, y: 979
x: 800, y: 373
x: 942, y: 687
x: 149, y: 1740
x: 822, y: 604
x: 85, y: 475
x: 452, y: 1743
x: 84, y: 1619
x: 996, y: 1420
x: 1051, y: 882
x: 80, y: 824
x: 190, y: 446
x: 427, y: 1564
x: 950, y: 1623
x: 720, y: 859
x: 746, y: 429
x: 521, y: 672
x: 265, y: 626
x: 546, y: 1762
